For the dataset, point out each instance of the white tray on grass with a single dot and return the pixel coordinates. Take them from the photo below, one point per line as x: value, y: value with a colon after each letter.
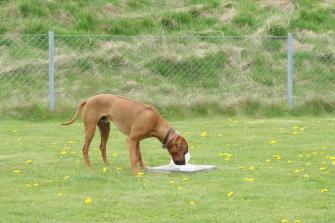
x: 188, y: 168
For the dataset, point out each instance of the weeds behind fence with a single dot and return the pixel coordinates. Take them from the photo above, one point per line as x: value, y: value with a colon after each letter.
x: 177, y: 74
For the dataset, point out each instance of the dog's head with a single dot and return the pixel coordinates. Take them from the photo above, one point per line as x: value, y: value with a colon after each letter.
x: 178, y: 149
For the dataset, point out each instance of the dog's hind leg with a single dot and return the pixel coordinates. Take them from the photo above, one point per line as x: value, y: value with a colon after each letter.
x: 89, y: 134
x: 104, y: 127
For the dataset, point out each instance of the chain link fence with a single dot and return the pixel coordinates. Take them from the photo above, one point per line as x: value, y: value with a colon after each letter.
x: 23, y: 72
x: 170, y: 72
x: 314, y: 71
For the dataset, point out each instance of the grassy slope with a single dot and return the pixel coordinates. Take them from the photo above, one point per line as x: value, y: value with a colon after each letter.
x: 156, y: 17
x: 235, y: 76
x: 280, y: 189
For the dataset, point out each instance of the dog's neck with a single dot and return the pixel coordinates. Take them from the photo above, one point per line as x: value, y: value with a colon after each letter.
x: 170, y: 138
x: 165, y: 132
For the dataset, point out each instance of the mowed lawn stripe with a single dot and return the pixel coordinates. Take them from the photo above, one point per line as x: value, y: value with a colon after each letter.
x: 269, y: 170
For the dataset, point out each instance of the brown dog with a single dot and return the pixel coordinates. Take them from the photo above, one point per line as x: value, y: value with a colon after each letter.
x: 138, y: 121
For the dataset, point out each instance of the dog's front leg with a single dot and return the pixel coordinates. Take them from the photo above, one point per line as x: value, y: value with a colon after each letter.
x: 140, y: 161
x: 133, y: 155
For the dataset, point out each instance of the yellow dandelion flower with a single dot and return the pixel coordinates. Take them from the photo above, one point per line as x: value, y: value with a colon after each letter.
x: 251, y: 168
x: 228, y: 155
x: 71, y: 142
x: 249, y: 179
x: 300, y: 155
x: 241, y: 168
x: 296, y: 127
x: 331, y: 157
x: 324, y: 190
x: 29, y: 161
x: 322, y: 168
x: 324, y: 147
x: 268, y: 160
x: 294, y: 132
x: 289, y: 161
x: 60, y: 194
x: 308, y: 163
x: 36, y: 184
x: 172, y: 182
x: 297, y: 221
x: 204, y: 134
x: 192, y: 203
x: 114, y: 154
x: 230, y: 194
x: 88, y: 201
x: 66, y: 178
x: 63, y: 152
x: 185, y: 179
x: 333, y: 162
x: 14, y: 131
x: 306, y: 176
x: 17, y: 171
x: 140, y: 174
x: 105, y: 169
x: 273, y: 141
x: 277, y: 157
x: 284, y: 221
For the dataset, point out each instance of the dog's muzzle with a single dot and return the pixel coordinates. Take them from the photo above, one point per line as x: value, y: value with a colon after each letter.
x: 179, y: 162
x: 187, y: 159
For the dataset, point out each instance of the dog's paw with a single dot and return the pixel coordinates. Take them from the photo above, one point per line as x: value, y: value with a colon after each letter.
x: 142, y: 165
x: 136, y: 171
x: 106, y: 163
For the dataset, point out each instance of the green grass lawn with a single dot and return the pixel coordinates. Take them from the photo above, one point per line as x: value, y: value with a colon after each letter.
x: 269, y: 170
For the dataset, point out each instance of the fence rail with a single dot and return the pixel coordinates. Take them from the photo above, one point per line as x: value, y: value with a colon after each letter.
x: 167, y: 71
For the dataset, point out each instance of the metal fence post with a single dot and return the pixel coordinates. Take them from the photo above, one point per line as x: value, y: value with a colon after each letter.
x: 290, y: 70
x: 51, y: 72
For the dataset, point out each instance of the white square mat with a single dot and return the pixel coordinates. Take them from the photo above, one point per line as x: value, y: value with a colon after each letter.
x: 188, y: 168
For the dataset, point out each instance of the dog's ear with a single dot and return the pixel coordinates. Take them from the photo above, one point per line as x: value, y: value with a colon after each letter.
x: 182, y: 145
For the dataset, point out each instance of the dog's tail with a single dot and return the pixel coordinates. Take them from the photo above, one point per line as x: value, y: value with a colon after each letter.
x: 75, y: 116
